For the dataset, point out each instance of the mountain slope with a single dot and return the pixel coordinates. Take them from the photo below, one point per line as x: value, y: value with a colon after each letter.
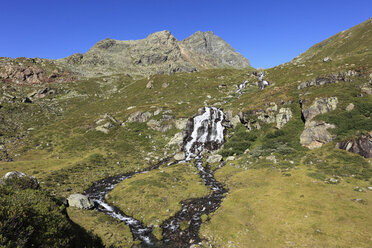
x: 159, y: 53
x: 355, y: 41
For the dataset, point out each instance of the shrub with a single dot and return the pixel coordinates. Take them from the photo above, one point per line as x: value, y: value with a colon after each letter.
x: 31, y: 218
x: 240, y: 141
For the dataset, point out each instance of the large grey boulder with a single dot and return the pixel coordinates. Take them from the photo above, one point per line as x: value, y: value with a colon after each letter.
x: 320, y: 106
x: 177, y: 139
x: 19, y: 179
x: 180, y: 156
x: 316, y: 134
x: 80, y: 201
x: 214, y: 158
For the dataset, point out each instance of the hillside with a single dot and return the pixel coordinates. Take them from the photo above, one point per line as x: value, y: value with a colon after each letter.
x: 286, y: 164
x: 159, y: 53
x: 354, y: 42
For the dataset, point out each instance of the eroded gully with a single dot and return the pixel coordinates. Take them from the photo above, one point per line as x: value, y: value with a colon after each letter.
x: 204, y: 131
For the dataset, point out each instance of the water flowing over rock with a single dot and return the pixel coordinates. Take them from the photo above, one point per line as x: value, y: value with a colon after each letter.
x: 361, y: 145
x: 100, y: 189
x: 204, y: 131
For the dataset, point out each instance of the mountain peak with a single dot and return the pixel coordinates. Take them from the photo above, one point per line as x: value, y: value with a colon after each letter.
x: 158, y: 53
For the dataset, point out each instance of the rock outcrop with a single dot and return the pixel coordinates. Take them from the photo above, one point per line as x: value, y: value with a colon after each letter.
x: 32, y: 71
x: 159, y: 53
x: 284, y: 116
x: 315, y: 133
x: 320, y: 106
x: 361, y: 145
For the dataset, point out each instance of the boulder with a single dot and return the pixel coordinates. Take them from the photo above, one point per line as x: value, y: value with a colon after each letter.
x: 150, y: 84
x: 160, y: 126
x: 350, y: 107
x: 235, y: 121
x: 181, y: 123
x: 267, y: 117
x: 177, y: 139
x: 80, y: 201
x: 19, y: 179
x: 180, y: 156
x: 327, y: 59
x: 139, y: 117
x: 230, y: 158
x: 315, y: 134
x: 320, y: 106
x: 214, y: 158
x: 284, y: 116
x: 102, y: 129
x: 361, y: 145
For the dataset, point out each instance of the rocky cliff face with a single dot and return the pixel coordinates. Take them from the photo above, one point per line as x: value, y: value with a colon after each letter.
x: 159, y: 53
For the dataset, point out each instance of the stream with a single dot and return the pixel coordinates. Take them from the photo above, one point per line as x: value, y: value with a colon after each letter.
x: 203, y: 131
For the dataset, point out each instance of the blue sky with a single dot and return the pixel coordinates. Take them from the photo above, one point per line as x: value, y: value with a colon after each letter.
x: 267, y: 32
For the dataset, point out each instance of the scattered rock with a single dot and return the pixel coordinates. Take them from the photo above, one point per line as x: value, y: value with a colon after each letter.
x: 180, y: 156
x: 230, y: 158
x: 214, y: 158
x: 102, y: 129
x: 177, y: 139
x: 150, y: 84
x: 272, y: 158
x: 359, y: 200
x: 358, y: 189
x: 139, y: 117
x: 349, y: 107
x: 327, y: 59
x: 333, y: 180
x: 334, y: 78
x: 80, y: 201
x: 165, y: 85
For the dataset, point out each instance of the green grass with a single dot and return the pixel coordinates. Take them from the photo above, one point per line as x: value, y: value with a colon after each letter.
x: 265, y: 209
x: 155, y: 196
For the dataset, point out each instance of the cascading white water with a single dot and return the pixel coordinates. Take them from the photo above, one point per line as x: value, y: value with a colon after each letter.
x: 207, y: 130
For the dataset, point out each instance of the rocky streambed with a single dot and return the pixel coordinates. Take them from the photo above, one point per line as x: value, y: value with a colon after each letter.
x: 205, y: 130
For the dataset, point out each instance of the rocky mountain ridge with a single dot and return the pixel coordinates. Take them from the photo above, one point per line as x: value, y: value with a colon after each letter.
x: 159, y: 53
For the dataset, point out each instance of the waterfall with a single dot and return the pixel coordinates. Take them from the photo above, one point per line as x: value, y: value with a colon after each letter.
x: 207, y: 132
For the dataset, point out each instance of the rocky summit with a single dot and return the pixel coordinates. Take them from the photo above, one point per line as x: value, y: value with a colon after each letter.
x: 166, y: 143
x: 159, y: 53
